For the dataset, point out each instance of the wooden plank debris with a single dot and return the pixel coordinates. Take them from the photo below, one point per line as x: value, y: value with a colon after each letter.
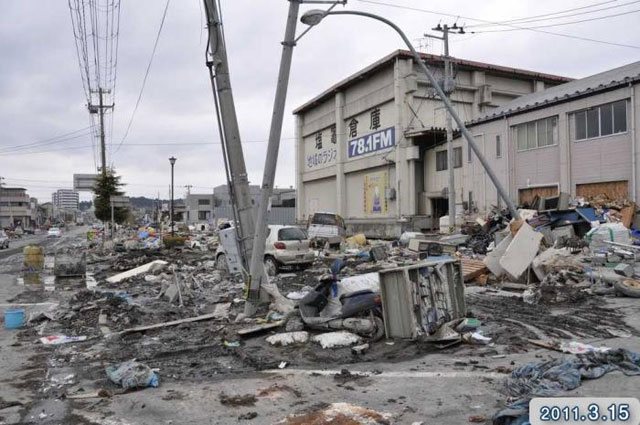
x: 260, y: 328
x: 471, y: 269
x: 167, y: 324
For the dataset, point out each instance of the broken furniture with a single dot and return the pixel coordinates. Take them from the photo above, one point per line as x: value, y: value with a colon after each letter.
x: 418, y: 299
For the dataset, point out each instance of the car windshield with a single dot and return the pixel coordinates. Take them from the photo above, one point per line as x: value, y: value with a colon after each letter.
x: 325, y: 219
x: 291, y: 234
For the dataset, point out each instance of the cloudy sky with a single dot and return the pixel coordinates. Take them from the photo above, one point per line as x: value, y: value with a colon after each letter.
x: 41, y: 93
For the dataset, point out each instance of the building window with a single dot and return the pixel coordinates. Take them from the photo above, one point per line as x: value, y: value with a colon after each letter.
x: 203, y: 215
x: 498, y: 147
x: 536, y: 134
x: 469, y: 153
x: 602, y: 120
x: 204, y: 202
x: 457, y: 157
x: 441, y: 161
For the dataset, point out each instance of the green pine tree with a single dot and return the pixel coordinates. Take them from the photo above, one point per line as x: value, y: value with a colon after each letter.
x: 108, y: 185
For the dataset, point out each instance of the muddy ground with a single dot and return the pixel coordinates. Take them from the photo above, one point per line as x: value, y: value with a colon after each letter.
x: 210, y: 354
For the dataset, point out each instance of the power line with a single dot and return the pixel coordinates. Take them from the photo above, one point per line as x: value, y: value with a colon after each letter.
x: 146, y: 74
x: 433, y: 12
x: 565, y: 14
x: 50, y: 140
x: 132, y: 145
x: 562, y: 23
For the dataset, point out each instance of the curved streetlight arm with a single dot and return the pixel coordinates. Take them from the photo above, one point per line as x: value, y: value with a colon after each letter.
x: 467, y: 134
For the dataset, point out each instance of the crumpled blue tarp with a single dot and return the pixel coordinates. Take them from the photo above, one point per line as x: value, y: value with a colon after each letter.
x: 547, y: 379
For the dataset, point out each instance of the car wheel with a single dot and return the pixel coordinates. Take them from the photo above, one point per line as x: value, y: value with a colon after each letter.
x: 271, y: 265
x: 221, y: 263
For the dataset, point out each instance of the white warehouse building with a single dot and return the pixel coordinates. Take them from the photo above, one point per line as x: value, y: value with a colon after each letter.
x: 366, y: 147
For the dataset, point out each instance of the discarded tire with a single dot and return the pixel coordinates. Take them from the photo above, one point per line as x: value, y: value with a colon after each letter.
x: 628, y: 287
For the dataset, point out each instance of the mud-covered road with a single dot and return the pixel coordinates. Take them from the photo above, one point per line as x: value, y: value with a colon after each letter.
x: 210, y: 375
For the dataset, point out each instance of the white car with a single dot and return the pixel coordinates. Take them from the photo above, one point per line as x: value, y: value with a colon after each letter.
x: 285, y: 246
x: 54, y: 232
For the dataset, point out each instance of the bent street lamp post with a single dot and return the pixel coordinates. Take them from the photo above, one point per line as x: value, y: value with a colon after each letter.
x: 314, y: 17
x: 172, y: 160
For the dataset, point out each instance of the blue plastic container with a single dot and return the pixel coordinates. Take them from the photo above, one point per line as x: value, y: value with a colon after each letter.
x: 13, y: 319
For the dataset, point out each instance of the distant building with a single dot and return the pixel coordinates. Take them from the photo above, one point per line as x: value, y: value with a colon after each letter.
x: 65, y: 199
x: 48, y: 209
x: 199, y: 208
x: 281, y: 197
x: 15, y: 207
x: 283, y: 202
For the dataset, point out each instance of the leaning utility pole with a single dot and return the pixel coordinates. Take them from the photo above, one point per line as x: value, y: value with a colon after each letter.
x: 257, y: 264
x: 229, y: 132
x: 447, y: 88
x: 99, y: 109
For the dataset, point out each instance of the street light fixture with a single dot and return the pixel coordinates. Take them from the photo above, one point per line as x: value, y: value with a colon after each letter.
x: 172, y: 160
x: 315, y: 16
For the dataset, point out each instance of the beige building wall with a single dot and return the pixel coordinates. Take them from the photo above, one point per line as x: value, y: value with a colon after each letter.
x: 564, y: 165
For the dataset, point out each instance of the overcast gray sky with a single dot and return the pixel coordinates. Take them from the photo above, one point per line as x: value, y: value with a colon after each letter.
x: 41, y: 94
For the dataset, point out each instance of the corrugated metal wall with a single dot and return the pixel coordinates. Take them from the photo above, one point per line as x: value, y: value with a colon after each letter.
x: 277, y: 215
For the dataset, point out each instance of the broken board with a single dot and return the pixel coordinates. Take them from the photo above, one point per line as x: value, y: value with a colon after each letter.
x: 471, y: 269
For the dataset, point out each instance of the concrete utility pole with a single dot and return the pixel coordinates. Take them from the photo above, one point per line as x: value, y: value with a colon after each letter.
x: 257, y: 262
x: 448, y: 86
x: 172, y: 160
x: 230, y: 133
x: 99, y: 109
x: 257, y: 259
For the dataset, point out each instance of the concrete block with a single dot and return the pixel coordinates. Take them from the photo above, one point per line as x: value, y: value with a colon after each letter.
x: 144, y: 269
x: 599, y: 260
x: 521, y: 251
x: 172, y: 292
x: 566, y: 231
x: 624, y: 269
x: 492, y: 260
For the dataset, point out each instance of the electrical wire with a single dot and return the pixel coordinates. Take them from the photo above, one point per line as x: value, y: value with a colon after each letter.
x: 146, y: 75
x: 550, y: 16
x: 51, y: 140
x: 433, y: 12
x: 128, y: 144
x: 562, y: 23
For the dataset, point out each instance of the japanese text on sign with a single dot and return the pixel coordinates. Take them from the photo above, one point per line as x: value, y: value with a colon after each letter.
x: 379, y: 140
x: 322, y: 158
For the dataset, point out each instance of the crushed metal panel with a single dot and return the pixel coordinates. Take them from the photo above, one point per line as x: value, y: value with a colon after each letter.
x: 417, y: 299
x: 396, y: 294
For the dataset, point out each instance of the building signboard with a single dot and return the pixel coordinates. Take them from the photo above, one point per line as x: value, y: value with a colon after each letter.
x: 372, y: 142
x: 84, y: 182
x: 375, y: 200
x: 120, y: 201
